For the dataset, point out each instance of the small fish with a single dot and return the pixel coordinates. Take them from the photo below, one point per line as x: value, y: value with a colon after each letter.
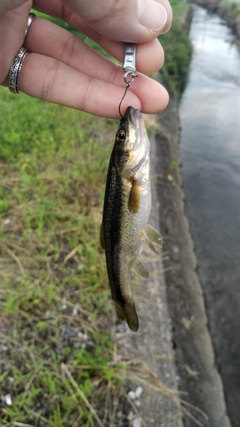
x: 126, y: 212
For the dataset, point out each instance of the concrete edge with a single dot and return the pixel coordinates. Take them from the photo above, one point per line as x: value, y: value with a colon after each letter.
x: 192, y: 341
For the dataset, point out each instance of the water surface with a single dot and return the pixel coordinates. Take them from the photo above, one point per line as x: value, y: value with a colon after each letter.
x: 210, y: 153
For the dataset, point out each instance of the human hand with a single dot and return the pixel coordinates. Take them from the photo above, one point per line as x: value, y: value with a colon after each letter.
x: 64, y: 70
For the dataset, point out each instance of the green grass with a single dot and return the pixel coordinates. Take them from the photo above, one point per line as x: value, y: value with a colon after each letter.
x: 54, y: 296
x: 177, y: 46
x: 179, y: 8
x: 178, y: 51
x: 232, y: 8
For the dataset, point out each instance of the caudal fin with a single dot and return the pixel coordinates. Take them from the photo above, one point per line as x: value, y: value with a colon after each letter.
x: 128, y: 313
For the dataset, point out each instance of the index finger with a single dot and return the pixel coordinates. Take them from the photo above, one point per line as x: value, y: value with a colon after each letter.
x: 150, y: 56
x: 135, y: 21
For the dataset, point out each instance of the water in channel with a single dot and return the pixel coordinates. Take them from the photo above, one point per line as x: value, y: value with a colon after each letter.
x: 210, y: 153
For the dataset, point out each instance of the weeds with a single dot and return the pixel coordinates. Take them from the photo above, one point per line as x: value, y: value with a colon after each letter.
x: 232, y: 9
x: 178, y: 51
x: 54, y: 297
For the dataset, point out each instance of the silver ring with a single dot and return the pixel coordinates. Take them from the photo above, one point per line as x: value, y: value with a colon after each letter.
x: 14, y: 72
x: 29, y: 22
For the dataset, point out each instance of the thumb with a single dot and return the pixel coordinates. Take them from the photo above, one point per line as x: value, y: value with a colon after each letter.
x: 138, y: 21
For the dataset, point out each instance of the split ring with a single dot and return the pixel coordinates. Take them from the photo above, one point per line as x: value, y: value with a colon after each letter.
x: 129, y: 77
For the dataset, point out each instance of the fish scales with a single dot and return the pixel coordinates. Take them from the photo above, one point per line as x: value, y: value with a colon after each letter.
x: 126, y: 211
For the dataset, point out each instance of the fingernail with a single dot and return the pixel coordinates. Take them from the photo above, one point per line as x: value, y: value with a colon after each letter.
x: 152, y: 15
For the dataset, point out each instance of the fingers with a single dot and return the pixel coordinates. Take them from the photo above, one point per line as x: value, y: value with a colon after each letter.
x: 64, y: 70
x: 149, y: 58
x: 150, y: 55
x: 135, y: 19
x: 46, y: 78
x: 72, y: 74
x: 63, y: 46
x: 166, y: 5
x: 6, y: 5
x: 12, y: 29
x: 152, y: 95
x: 140, y: 21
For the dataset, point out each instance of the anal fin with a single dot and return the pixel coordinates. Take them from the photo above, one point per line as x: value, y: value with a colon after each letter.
x: 139, y: 269
x: 150, y: 244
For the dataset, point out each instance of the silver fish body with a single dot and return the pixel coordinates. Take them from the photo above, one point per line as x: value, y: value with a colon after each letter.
x: 126, y: 212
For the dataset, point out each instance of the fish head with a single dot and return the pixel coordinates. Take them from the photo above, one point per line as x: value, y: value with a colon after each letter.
x: 131, y: 143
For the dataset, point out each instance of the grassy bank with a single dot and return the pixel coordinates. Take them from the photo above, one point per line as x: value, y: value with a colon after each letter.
x: 59, y: 365
x: 228, y: 10
x: 233, y: 9
x: 178, y: 49
x: 54, y: 296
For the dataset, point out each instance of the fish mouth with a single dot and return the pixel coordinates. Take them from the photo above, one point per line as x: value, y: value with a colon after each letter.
x: 133, y: 115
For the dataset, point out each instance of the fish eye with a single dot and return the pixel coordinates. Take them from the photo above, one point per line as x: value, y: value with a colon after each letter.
x: 121, y: 135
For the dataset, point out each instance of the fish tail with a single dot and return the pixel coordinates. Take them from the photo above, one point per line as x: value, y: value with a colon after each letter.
x: 128, y: 313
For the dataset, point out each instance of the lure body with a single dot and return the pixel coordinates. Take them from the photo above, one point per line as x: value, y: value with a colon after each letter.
x: 126, y: 212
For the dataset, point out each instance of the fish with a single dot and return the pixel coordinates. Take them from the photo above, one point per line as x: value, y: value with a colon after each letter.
x: 126, y: 211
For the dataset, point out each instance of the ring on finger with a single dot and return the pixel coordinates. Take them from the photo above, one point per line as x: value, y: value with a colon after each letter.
x: 14, y: 72
x: 29, y: 22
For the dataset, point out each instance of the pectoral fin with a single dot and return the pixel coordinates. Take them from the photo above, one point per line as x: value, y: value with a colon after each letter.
x: 134, y: 196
